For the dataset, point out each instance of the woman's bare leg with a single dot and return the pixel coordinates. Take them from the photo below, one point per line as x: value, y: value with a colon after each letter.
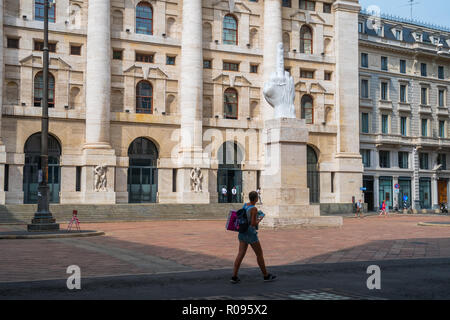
x: 256, y: 246
x: 241, y: 254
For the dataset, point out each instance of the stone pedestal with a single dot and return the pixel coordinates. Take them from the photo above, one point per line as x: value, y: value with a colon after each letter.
x: 184, y: 193
x: 285, y: 193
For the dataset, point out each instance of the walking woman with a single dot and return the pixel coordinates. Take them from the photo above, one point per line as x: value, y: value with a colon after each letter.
x: 383, y: 208
x: 250, y: 237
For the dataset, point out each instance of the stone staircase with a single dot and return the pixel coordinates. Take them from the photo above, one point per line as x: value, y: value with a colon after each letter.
x: 119, y: 212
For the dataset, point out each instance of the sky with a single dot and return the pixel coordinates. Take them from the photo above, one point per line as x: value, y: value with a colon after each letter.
x: 431, y: 11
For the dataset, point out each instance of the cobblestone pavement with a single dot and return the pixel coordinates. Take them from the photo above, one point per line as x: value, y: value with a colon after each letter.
x: 176, y: 246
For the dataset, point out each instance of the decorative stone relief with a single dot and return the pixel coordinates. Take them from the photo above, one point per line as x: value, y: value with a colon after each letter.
x: 196, y: 180
x: 100, y: 180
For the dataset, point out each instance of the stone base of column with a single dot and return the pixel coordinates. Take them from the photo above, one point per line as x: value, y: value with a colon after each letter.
x: 41, y: 225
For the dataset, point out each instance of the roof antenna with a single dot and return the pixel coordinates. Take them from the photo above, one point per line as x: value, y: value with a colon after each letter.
x: 411, y: 4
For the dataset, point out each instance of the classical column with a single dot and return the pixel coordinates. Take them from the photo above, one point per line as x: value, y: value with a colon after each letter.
x: 99, y: 159
x: 191, y: 105
x: 273, y: 34
x: 98, y: 75
x: 2, y: 146
x: 348, y: 160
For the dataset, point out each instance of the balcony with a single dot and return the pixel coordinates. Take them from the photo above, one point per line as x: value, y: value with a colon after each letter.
x: 425, y: 109
x: 442, y: 111
x: 404, y: 106
x: 385, y: 105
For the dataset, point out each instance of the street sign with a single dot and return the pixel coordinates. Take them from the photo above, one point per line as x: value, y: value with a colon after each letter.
x: 397, y: 186
x: 405, y: 198
x: 396, y: 191
x: 363, y: 189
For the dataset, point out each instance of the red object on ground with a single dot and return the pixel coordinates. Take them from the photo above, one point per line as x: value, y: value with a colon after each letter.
x: 74, y: 220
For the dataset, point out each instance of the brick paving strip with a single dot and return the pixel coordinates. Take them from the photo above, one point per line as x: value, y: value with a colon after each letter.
x: 177, y: 246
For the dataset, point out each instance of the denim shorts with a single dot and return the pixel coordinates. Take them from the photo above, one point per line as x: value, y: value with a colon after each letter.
x: 250, y: 236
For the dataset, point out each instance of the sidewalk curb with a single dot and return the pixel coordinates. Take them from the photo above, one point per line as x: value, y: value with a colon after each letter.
x: 52, y: 236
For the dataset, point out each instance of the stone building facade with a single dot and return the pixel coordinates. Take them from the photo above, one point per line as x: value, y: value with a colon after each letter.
x: 143, y: 92
x: 404, y: 112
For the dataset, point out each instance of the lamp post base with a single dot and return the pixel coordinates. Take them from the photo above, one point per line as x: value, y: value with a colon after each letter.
x: 43, y: 224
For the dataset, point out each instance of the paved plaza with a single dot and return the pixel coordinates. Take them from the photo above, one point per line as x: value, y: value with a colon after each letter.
x: 157, y: 247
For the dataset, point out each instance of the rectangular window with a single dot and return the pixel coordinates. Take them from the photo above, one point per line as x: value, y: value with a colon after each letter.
x: 117, y: 54
x: 442, y: 159
x: 170, y: 60
x: 385, y: 161
x: 423, y: 69
x: 441, y: 98
x: 364, y: 88
x: 307, y: 74
x: 230, y: 66
x: 13, y: 43
x: 384, y: 63
x: 75, y: 50
x: 441, y: 74
x: 207, y: 64
x: 360, y: 27
x: 253, y: 68
x: 332, y: 182
x: 307, y: 5
x: 39, y: 46
x: 364, y: 60
x: 384, y: 91
x: 424, y: 127
x: 327, y: 76
x: 6, y: 184
x: 144, y: 57
x: 78, y: 179
x: 327, y: 8
x: 441, y: 128
x: 403, y: 93
x: 402, y: 66
x: 423, y: 161
x: 403, y: 160
x: 39, y: 11
x: 365, y: 158
x: 287, y: 3
x: 403, y: 122
x: 365, y: 122
x: 174, y: 180
x: 384, y: 124
x: 398, y: 35
x: 424, y: 96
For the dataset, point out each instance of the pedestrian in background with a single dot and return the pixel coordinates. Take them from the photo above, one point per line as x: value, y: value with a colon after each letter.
x: 359, y: 208
x: 383, y: 209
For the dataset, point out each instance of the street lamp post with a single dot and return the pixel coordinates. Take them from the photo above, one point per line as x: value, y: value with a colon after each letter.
x: 43, y: 219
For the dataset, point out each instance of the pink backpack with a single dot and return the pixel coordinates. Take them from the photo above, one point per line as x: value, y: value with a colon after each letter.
x: 232, y: 222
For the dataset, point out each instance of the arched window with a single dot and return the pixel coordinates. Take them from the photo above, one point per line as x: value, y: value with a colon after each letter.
x: 230, y: 104
x: 39, y: 89
x: 306, y: 42
x: 144, y: 18
x: 230, y: 30
x: 39, y: 11
x: 307, y: 109
x: 144, y: 97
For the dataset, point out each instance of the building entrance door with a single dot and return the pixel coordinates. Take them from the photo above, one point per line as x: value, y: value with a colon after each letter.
x: 142, y: 172
x: 32, y: 168
x: 442, y: 191
x: 229, y: 173
x: 385, y: 191
x: 313, y: 176
x: 368, y: 193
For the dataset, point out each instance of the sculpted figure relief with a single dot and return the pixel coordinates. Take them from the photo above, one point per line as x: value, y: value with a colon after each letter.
x: 196, y: 179
x: 279, y: 90
x: 100, y: 178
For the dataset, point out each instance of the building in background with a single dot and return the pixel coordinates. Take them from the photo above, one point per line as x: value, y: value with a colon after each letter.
x: 404, y: 112
x: 153, y: 89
